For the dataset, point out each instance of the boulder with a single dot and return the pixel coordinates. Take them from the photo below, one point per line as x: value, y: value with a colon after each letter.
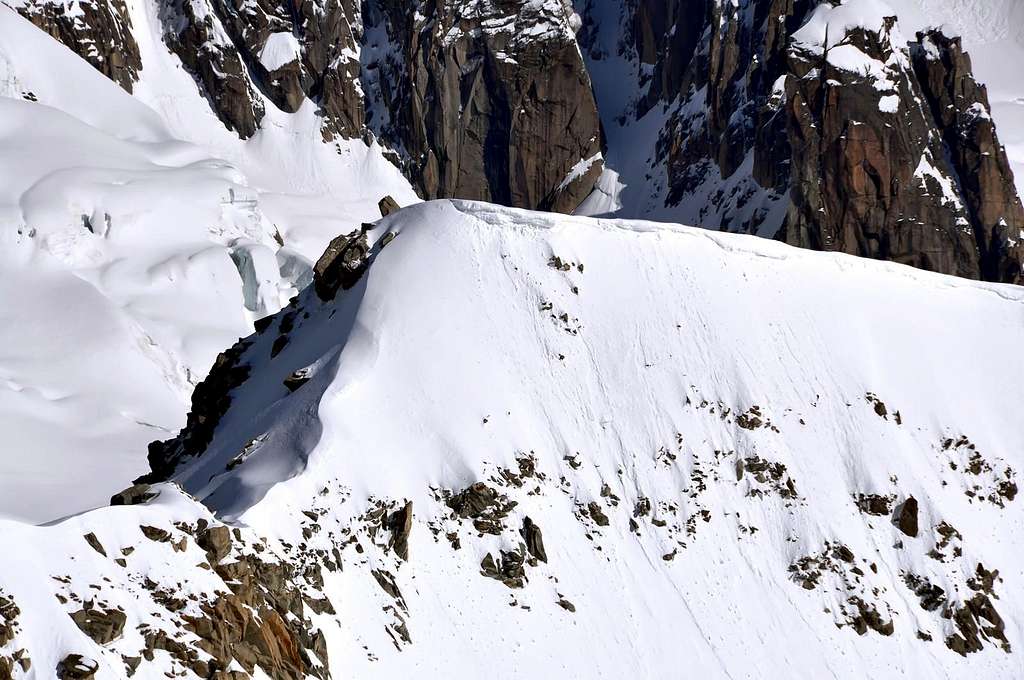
x: 906, y: 517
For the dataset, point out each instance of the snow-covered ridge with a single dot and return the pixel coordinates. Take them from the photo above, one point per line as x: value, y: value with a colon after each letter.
x: 659, y: 401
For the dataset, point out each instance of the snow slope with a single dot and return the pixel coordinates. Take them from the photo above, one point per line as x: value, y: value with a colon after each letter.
x: 132, y: 257
x: 688, y: 417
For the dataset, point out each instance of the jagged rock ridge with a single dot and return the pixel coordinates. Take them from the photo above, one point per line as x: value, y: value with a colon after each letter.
x: 807, y: 122
x: 818, y: 123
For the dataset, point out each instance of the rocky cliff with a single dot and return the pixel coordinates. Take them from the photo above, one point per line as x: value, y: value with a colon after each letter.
x: 820, y: 124
x: 494, y: 101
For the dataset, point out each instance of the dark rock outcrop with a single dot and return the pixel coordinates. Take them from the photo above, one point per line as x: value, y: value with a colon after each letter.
x: 490, y: 101
x: 133, y: 495
x: 906, y: 517
x: 76, y: 667
x: 387, y: 206
x: 210, y: 401
x: 870, y: 177
x: 400, y: 525
x: 342, y: 264
x: 534, y: 539
x: 822, y: 141
x: 290, y: 52
x: 960, y: 108
x: 195, y: 34
x: 103, y: 626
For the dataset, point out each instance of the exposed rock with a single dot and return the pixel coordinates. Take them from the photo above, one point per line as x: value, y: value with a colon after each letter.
x: 491, y: 101
x: 156, y: 534
x: 94, y: 543
x: 868, y: 618
x: 400, y: 526
x: 134, y: 495
x: 297, y: 379
x: 76, y: 667
x: 767, y: 134
x: 932, y: 596
x: 874, y: 504
x: 196, y: 35
x: 960, y: 107
x: 387, y: 206
x: 342, y: 264
x: 210, y: 401
x: 906, y: 517
x: 387, y: 583
x: 597, y: 514
x: 102, y: 626
x: 216, y: 541
x: 509, y: 569
x: 100, y: 32
x: 977, y: 620
x: 485, y: 506
x: 534, y: 540
x: 867, y: 179
x: 259, y: 623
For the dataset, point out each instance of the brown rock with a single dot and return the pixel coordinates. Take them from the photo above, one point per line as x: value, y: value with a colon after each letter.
x: 597, y: 514
x: 534, y: 540
x: 485, y: 115
x: 216, y: 541
x: 134, y: 495
x: 94, y: 543
x: 400, y: 525
x: 101, y: 626
x: 906, y: 517
x: 387, y: 206
x: 76, y: 667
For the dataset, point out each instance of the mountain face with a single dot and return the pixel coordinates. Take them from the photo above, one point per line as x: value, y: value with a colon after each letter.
x: 455, y: 438
x: 817, y: 123
x: 820, y: 124
x: 481, y: 444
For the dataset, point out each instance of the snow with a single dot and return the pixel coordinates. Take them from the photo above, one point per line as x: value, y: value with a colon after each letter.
x: 280, y: 50
x: 829, y: 23
x: 579, y: 169
x: 889, y: 103
x: 445, y: 364
x: 142, y: 234
x: 449, y: 331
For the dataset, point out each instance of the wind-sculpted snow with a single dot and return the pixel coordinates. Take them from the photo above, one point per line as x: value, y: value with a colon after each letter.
x: 132, y: 257
x: 725, y: 443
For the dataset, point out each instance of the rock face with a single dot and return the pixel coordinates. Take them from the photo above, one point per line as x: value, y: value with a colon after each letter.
x: 100, y: 32
x: 870, y: 175
x: 476, y: 100
x: 789, y: 119
x: 494, y: 101
x: 802, y: 120
x: 289, y: 52
x: 959, y: 105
